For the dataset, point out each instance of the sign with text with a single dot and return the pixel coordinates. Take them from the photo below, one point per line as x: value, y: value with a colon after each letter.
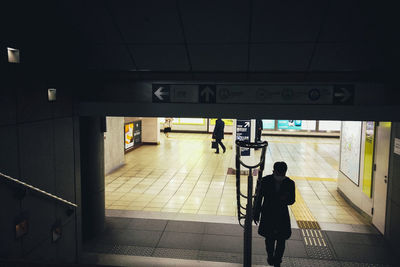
x: 284, y: 94
x: 243, y: 134
x: 396, y: 149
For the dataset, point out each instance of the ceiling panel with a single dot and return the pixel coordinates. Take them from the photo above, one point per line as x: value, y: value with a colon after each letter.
x: 345, y: 57
x: 210, y: 21
x: 110, y: 57
x: 160, y: 57
x: 147, y: 21
x: 349, y: 20
x: 218, y: 57
x: 98, y: 26
x: 286, y: 21
x: 280, y: 57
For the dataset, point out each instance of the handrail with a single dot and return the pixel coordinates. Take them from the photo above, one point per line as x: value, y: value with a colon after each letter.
x: 38, y: 190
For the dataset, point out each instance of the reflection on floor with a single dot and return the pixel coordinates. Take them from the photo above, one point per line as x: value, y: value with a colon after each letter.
x: 184, y: 175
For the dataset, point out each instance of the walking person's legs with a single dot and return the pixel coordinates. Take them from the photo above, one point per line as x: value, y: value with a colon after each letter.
x: 280, y: 249
x: 270, y: 246
x: 218, y: 141
x: 222, y: 145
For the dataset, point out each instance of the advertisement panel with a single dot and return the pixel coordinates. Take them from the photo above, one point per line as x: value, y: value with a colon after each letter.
x: 289, y: 124
x: 368, y: 157
x: 227, y: 121
x: 129, y: 140
x: 350, y: 150
x: 330, y: 125
x: 268, y: 124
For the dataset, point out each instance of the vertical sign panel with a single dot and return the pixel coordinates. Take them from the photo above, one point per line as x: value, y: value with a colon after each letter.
x: 243, y: 134
x: 350, y: 149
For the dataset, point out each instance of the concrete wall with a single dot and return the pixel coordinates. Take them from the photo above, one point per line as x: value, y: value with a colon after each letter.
x: 150, y: 128
x: 353, y: 192
x: 392, y: 233
x: 114, y: 155
x: 39, y: 144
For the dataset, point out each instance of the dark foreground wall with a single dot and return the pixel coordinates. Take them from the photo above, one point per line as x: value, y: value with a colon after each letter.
x: 39, y: 144
x: 393, y: 203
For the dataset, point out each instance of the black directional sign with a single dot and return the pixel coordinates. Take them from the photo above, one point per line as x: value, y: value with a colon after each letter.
x: 161, y: 93
x: 343, y: 94
x: 207, y: 93
x: 243, y: 134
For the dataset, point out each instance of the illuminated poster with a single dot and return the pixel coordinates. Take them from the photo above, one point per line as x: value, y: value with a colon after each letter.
x: 129, y: 140
x: 227, y: 121
x: 198, y: 121
x: 268, y: 124
x: 330, y: 125
x: 368, y: 157
x: 350, y: 148
x: 289, y: 124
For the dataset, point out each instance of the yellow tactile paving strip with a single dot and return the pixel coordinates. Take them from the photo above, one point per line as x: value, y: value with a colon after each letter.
x: 183, y: 175
x: 313, y: 238
x: 302, y: 214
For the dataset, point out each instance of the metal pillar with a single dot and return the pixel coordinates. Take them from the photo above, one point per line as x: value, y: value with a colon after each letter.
x: 248, y: 216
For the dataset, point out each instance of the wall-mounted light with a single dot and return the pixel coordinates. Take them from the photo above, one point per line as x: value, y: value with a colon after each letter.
x: 52, y: 94
x: 56, y: 231
x: 21, y: 226
x: 13, y: 55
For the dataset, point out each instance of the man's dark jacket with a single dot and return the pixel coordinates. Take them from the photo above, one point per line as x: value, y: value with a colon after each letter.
x: 275, y: 220
x: 219, y: 129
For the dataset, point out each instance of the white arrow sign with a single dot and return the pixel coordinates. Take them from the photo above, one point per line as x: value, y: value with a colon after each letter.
x: 247, y: 124
x: 207, y: 92
x: 159, y: 93
x: 345, y: 95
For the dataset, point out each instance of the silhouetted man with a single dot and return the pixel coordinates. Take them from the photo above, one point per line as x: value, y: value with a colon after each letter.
x: 274, y: 193
x: 218, y: 134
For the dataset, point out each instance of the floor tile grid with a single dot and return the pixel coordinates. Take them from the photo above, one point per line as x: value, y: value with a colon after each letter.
x: 224, y: 186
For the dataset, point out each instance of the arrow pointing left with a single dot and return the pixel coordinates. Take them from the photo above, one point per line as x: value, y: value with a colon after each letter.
x: 159, y: 93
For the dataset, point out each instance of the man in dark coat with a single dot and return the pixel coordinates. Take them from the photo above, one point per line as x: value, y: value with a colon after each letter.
x: 274, y: 193
x: 218, y: 134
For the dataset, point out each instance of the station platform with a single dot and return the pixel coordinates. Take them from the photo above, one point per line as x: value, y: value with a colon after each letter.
x: 184, y: 175
x: 131, y: 241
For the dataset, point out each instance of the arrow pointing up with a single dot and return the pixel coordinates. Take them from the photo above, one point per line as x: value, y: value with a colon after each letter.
x: 247, y: 124
x: 207, y: 92
x: 159, y: 93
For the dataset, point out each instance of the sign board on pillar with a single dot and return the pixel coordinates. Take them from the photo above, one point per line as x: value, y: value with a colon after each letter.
x: 243, y: 128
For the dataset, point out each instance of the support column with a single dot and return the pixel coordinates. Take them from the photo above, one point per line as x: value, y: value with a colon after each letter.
x: 92, y: 176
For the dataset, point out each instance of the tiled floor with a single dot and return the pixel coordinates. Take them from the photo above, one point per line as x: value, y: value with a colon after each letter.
x: 149, y: 242
x: 184, y: 175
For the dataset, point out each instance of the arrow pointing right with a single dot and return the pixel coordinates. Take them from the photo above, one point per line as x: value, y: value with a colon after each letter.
x: 344, y: 95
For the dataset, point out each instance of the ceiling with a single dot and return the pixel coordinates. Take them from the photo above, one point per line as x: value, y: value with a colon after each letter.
x: 231, y: 36
x: 189, y: 37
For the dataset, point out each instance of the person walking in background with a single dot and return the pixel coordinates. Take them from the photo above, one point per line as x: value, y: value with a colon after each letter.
x: 167, y: 126
x: 274, y: 193
x: 218, y: 134
x: 259, y: 127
